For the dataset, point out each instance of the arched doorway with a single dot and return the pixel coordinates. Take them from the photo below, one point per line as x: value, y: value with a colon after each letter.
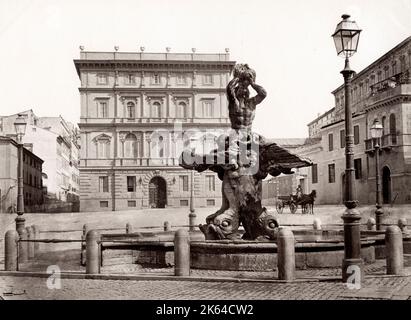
x: 157, y: 192
x: 386, y: 185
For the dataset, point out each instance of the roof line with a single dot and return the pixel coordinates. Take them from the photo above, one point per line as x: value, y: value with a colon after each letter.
x: 385, y: 55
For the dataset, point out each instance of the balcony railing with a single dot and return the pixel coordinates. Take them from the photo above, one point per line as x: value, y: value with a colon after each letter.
x: 387, y: 141
x: 392, y: 82
x: 130, y: 162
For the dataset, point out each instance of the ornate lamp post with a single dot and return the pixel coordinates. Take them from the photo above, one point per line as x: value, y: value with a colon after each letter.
x: 346, y: 38
x: 376, y: 134
x: 20, y: 127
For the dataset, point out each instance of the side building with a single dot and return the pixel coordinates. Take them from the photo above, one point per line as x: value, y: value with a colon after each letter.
x: 381, y: 91
x: 56, y: 142
x: 32, y: 178
x: 136, y: 108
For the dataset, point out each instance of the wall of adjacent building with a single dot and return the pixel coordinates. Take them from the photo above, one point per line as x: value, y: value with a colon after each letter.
x: 8, y: 176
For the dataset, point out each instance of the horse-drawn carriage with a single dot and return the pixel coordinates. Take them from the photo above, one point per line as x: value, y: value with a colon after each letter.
x: 306, y: 201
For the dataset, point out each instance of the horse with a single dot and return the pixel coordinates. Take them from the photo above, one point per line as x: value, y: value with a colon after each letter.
x: 307, y: 201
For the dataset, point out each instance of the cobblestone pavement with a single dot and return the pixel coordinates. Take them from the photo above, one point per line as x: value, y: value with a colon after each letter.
x: 35, y: 288
x: 122, y: 263
x: 376, y: 287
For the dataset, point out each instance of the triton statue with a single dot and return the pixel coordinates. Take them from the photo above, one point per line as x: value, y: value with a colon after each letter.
x: 242, y: 160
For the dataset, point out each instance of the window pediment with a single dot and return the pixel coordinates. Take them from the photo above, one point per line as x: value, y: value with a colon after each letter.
x: 102, y: 138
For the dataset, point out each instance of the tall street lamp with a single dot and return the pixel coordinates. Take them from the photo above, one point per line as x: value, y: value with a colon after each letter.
x: 346, y: 38
x: 20, y: 127
x: 376, y: 134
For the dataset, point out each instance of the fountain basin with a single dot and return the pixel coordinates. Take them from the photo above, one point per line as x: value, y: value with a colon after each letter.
x: 313, y: 249
x: 257, y: 256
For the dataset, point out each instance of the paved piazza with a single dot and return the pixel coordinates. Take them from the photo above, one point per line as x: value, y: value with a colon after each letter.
x: 312, y: 284
x: 35, y: 288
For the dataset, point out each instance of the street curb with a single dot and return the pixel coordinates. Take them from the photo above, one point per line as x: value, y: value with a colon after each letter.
x: 151, y: 277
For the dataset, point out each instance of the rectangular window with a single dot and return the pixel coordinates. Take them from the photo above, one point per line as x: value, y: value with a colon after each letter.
x: 208, y: 79
x: 130, y: 79
x: 314, y: 173
x: 342, y: 138
x: 131, y: 184
x: 184, y: 183
x: 103, y: 204
x: 103, y: 184
x: 210, y: 202
x: 131, y: 203
x: 101, y: 79
x: 331, y: 173
x: 330, y: 142
x: 102, y: 109
x: 356, y: 134
x: 183, y: 203
x: 181, y: 78
x: 358, y: 169
x: 210, y: 183
x: 207, y: 109
x: 103, y: 149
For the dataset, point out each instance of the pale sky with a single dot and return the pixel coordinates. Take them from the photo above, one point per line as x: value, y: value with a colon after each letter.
x: 287, y: 42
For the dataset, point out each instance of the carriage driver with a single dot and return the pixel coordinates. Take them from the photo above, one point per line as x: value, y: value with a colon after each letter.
x: 299, y: 192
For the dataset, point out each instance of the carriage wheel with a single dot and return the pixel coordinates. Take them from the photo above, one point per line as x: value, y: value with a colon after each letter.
x: 293, y: 207
x: 280, y: 207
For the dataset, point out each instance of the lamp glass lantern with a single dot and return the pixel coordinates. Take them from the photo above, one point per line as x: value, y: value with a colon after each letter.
x: 376, y: 129
x: 346, y: 37
x: 20, y: 126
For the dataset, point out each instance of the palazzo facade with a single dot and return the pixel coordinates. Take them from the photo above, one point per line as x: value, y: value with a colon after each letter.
x: 138, y: 111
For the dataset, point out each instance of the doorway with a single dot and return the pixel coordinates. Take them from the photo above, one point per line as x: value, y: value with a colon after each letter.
x: 157, y: 191
x: 386, y: 185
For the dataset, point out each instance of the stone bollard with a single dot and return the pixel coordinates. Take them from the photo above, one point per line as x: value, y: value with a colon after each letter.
x: 10, y: 250
x: 36, y: 236
x: 181, y: 253
x: 402, y: 224
x: 371, y: 224
x: 129, y: 228
x: 167, y: 226
x: 93, y: 239
x: 83, y: 245
x: 191, y: 221
x: 30, y: 245
x: 23, y: 248
x: 394, y: 250
x: 317, y: 224
x: 286, y: 254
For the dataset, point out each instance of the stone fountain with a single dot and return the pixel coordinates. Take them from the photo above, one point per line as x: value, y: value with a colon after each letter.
x: 242, y: 160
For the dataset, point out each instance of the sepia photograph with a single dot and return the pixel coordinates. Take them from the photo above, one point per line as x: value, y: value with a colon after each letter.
x: 205, y: 155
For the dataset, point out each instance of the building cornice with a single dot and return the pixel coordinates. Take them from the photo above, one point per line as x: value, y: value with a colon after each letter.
x: 354, y: 116
x: 322, y: 116
x: 151, y: 90
x: 156, y: 125
x: 389, y: 101
x: 152, y: 65
x: 376, y: 62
